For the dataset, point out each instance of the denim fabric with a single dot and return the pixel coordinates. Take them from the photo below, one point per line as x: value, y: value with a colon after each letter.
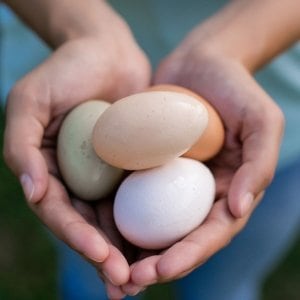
x: 234, y: 273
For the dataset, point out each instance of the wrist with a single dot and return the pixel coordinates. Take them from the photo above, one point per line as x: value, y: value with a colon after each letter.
x: 252, y: 32
x: 58, y: 21
x: 93, y: 19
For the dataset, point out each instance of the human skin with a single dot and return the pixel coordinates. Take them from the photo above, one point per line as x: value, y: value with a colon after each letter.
x: 89, y: 62
x: 217, y: 60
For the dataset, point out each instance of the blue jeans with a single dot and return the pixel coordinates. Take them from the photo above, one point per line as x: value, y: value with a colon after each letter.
x: 235, y: 272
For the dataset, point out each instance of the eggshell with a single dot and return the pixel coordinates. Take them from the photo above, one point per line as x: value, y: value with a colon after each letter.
x: 154, y: 208
x: 212, y: 139
x: 148, y: 129
x: 84, y: 172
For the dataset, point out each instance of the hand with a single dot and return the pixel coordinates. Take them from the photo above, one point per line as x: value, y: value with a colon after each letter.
x: 244, y: 167
x: 106, y: 65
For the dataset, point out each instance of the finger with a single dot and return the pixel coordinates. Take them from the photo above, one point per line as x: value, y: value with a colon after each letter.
x: 144, y: 272
x: 210, y: 237
x: 49, y: 155
x: 114, y: 271
x: 25, y: 122
x: 132, y: 289
x: 67, y: 224
x: 115, y: 267
x: 186, y: 255
x: 148, y: 276
x: 86, y: 211
x: 114, y: 292
x: 260, y: 154
x: 104, y: 210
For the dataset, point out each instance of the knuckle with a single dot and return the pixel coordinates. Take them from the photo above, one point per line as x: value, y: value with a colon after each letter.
x: 227, y: 242
x: 30, y: 92
x: 19, y: 90
x: 280, y: 117
x: 9, y: 153
x: 139, y: 74
x: 268, y: 176
x: 276, y: 114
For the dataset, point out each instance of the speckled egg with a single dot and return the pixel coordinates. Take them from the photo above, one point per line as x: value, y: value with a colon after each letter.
x: 86, y: 175
x: 149, y: 129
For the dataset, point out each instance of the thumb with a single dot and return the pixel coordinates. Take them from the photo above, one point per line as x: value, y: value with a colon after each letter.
x: 22, y: 141
x: 260, y: 155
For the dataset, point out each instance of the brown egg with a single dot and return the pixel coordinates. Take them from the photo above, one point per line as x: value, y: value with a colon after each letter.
x: 212, y: 139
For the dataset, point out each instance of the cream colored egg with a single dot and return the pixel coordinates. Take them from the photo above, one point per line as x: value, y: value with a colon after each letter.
x: 154, y: 208
x: 149, y: 129
x: 87, y: 176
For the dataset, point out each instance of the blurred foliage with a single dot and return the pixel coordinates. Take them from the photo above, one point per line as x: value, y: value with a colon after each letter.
x: 28, y: 260
x: 283, y: 282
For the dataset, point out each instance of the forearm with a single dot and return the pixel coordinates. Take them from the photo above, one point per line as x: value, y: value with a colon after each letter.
x: 57, y: 21
x: 254, y: 31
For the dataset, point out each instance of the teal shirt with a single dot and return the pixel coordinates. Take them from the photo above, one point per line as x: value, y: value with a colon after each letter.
x: 158, y: 27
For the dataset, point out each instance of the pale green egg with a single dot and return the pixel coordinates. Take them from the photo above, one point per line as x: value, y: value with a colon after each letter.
x: 85, y: 174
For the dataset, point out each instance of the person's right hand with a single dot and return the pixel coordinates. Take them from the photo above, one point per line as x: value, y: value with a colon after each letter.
x: 105, y: 64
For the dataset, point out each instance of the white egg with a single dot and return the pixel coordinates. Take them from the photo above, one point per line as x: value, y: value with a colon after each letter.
x: 154, y: 208
x: 86, y: 175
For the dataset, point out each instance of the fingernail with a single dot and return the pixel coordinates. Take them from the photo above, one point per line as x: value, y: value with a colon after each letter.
x: 246, y: 203
x: 133, y: 293
x: 133, y: 290
x: 108, y: 278
x: 97, y: 253
x: 27, y: 185
x: 140, y: 290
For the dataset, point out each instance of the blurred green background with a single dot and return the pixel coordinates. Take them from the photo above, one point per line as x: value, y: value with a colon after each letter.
x: 28, y: 261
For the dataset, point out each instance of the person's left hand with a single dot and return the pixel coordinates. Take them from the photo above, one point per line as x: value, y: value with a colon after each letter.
x: 243, y: 169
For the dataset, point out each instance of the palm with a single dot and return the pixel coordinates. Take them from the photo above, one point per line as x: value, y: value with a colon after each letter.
x: 80, y: 70
x: 224, y: 166
x: 243, y: 168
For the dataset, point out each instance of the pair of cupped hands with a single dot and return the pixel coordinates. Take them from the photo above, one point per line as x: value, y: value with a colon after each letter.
x: 110, y: 66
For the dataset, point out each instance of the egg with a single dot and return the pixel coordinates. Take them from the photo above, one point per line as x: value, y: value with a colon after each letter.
x: 154, y: 208
x: 86, y: 175
x: 212, y: 139
x: 148, y: 129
